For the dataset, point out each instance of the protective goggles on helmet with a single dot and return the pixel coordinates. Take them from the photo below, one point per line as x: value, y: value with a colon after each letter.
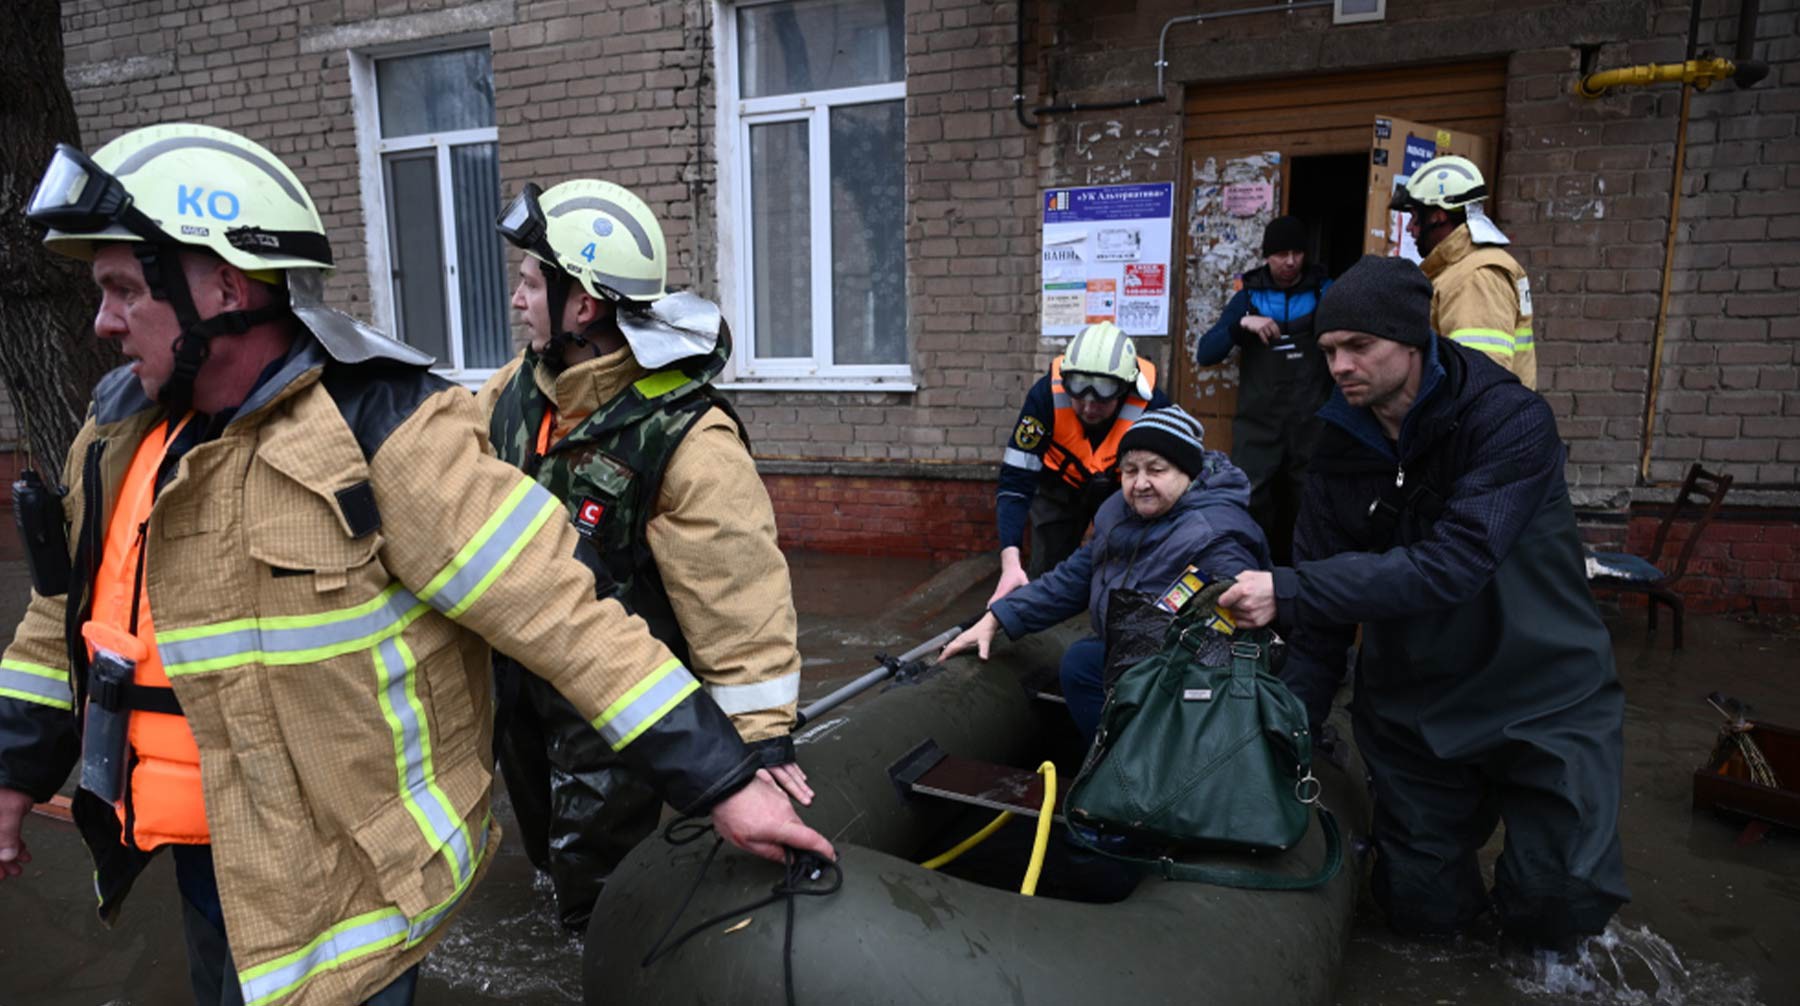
x: 1403, y: 202
x: 79, y: 197
x: 1098, y: 386
x: 522, y: 223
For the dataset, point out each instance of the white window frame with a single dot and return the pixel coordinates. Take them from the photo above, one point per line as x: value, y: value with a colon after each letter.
x: 736, y: 116
x: 370, y: 148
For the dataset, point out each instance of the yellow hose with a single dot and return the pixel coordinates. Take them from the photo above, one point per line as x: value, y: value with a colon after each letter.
x: 1039, y: 843
x: 946, y: 858
x: 1042, y: 841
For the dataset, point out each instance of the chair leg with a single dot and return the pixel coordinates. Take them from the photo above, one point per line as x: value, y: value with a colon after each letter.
x: 1650, y: 602
x: 1675, y: 609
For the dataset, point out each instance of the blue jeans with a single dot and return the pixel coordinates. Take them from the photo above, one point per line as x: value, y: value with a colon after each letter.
x: 1083, y: 668
x: 210, y: 970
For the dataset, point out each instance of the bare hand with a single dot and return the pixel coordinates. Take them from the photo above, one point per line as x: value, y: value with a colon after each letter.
x: 1264, y: 328
x: 759, y: 820
x: 14, y: 805
x: 1251, y: 600
x: 1012, y: 574
x: 792, y: 780
x: 979, y: 637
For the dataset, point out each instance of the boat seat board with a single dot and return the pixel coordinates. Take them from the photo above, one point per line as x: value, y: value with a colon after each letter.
x: 985, y: 784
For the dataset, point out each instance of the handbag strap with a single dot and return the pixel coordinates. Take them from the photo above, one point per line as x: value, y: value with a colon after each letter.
x: 1253, y: 880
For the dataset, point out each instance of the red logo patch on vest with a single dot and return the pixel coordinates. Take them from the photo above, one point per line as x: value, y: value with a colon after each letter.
x: 588, y: 513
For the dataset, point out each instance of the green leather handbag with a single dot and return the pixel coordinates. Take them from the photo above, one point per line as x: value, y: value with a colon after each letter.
x: 1196, y: 752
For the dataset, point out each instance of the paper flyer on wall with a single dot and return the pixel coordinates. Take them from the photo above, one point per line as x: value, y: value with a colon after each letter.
x: 1107, y: 255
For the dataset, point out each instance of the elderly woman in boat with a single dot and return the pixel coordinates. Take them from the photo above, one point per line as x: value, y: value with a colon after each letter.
x: 1178, y: 505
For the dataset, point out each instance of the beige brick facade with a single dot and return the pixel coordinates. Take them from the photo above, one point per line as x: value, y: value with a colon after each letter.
x: 627, y: 89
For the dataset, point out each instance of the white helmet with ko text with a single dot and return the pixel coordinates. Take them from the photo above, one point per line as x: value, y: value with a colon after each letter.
x: 183, y: 184
x: 166, y: 189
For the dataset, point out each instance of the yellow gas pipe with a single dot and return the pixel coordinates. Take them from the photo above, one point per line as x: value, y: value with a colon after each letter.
x: 1702, y: 73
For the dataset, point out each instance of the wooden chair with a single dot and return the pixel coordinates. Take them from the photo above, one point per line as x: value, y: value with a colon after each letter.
x: 1701, y: 494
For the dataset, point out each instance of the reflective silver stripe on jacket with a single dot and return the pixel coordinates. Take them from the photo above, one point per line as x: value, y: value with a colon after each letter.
x: 1022, y: 459
x: 771, y: 694
x: 429, y: 807
x: 45, y: 686
x: 347, y: 941
x: 637, y: 710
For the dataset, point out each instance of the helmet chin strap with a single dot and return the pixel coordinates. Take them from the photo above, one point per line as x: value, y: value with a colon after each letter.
x: 167, y: 281
x: 557, y: 286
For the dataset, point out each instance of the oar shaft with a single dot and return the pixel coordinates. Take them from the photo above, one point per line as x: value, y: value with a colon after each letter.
x: 877, y: 676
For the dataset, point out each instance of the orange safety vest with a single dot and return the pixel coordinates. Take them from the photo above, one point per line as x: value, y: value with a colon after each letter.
x: 162, y: 804
x: 1071, y: 454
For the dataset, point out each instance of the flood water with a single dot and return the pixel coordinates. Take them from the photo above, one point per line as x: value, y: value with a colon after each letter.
x: 1712, y: 922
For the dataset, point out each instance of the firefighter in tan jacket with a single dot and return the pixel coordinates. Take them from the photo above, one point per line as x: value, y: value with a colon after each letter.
x: 611, y: 409
x: 290, y: 547
x: 1480, y: 296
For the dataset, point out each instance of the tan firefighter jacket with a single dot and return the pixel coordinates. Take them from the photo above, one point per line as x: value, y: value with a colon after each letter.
x: 324, y: 577
x: 712, y: 536
x: 1482, y: 299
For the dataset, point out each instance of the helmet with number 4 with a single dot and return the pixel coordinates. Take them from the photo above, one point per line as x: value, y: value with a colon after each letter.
x: 604, y: 237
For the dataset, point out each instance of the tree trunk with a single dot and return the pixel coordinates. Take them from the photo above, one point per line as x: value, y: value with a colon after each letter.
x: 49, y: 358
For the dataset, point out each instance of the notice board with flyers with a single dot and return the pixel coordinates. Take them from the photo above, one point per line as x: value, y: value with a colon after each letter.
x: 1399, y: 147
x: 1106, y: 257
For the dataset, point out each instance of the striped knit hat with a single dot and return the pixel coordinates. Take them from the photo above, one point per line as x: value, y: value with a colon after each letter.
x: 1171, y: 433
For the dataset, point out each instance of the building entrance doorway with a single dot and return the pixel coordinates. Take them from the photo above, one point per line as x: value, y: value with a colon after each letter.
x: 1328, y: 192
x: 1305, y: 146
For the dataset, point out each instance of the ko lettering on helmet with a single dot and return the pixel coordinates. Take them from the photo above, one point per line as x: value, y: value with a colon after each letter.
x: 219, y: 204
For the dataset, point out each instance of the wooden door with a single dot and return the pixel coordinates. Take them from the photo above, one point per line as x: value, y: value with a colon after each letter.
x: 1277, y: 120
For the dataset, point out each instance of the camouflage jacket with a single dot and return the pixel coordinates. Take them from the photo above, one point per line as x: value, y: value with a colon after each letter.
x: 655, y: 474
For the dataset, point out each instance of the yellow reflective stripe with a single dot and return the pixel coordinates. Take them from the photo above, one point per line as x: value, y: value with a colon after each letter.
x: 349, y: 940
x: 492, y: 550
x: 345, y: 942
x: 431, y: 810
x: 289, y: 639
x: 1522, y: 338
x: 298, y: 639
x: 28, y: 682
x: 647, y: 702
x: 661, y: 383
x: 474, y: 544
x: 1488, y: 340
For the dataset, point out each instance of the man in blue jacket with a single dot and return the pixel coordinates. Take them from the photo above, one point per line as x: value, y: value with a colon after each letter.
x: 1436, y: 518
x: 1281, y: 376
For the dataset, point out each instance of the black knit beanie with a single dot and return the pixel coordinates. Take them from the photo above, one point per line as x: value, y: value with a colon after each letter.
x: 1284, y: 234
x: 1172, y: 433
x: 1381, y: 295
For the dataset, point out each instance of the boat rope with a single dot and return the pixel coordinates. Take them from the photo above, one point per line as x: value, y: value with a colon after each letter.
x: 805, y: 875
x: 1039, y: 843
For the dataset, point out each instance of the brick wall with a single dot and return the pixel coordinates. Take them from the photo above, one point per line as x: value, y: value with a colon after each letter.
x: 936, y: 518
x: 972, y: 261
x: 627, y: 90
x: 1583, y: 190
x: 1743, y: 563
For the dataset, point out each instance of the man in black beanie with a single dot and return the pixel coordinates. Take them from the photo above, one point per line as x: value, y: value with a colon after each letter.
x: 1436, y: 518
x: 1281, y: 376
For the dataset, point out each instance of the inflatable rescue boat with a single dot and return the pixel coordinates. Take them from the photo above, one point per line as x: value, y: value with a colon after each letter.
x: 901, y: 775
